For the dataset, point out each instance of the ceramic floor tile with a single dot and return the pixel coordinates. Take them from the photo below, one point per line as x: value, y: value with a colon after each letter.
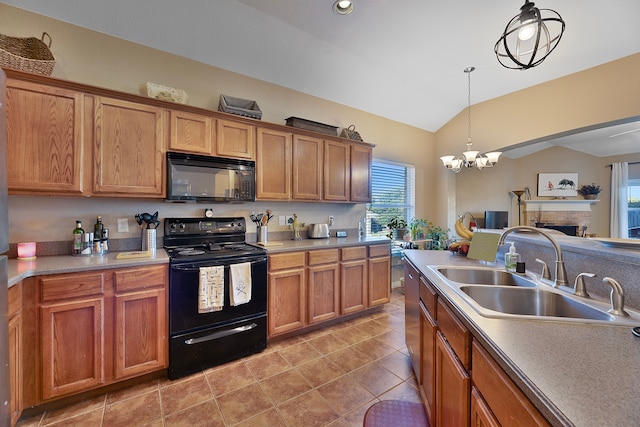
x: 184, y: 394
x: 375, y: 378
x: 243, y: 403
x: 143, y: 408
x: 205, y: 414
x: 269, y: 418
x: 88, y: 419
x: 328, y: 343
x: 73, y: 410
x: 345, y: 394
x: 352, y: 334
x: 349, y: 359
x: 33, y: 421
x: 393, y: 338
x: 374, y: 348
x: 320, y: 371
x: 299, y: 353
x: 284, y: 343
x: 356, y: 418
x: 133, y: 391
x: 229, y: 377
x: 308, y: 410
x: 404, y: 391
x: 265, y: 365
x: 284, y: 386
x: 373, y: 327
x: 398, y: 363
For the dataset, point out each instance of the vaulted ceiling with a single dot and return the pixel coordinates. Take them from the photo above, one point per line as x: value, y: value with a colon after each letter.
x: 402, y: 59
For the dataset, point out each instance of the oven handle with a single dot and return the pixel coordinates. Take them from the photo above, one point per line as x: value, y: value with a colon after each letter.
x: 220, y: 334
x: 190, y: 267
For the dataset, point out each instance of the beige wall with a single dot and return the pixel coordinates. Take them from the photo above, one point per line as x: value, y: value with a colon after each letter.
x: 593, y: 96
x: 598, y: 95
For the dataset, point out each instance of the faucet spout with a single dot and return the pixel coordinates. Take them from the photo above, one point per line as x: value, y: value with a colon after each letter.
x: 561, y: 272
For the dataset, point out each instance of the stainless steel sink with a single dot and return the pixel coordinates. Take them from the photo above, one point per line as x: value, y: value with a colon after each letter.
x: 485, y: 276
x: 532, y: 302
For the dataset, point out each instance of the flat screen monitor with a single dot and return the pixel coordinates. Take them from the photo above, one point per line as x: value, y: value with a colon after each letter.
x: 496, y: 219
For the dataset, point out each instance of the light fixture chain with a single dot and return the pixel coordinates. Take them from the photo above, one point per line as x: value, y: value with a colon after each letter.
x: 469, y: 103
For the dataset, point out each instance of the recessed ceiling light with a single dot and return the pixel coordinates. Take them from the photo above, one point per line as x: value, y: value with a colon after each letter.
x: 343, y: 7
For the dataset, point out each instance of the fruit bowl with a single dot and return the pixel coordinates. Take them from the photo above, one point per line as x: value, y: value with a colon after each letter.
x: 460, y: 247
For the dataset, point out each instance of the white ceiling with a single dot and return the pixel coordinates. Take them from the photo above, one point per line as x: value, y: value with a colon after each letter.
x: 402, y: 60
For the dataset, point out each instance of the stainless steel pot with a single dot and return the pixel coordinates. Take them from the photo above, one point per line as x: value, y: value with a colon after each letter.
x: 318, y: 231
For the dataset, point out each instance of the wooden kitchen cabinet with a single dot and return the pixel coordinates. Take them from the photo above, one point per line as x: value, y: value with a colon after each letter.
x: 307, y: 168
x: 502, y: 397
x: 44, y: 139
x: 323, y: 284
x: 336, y: 185
x: 427, y: 379
x: 129, y: 143
x: 379, y: 273
x: 273, y: 165
x: 361, y: 161
x: 453, y: 387
x: 16, y: 365
x: 287, y: 293
x: 140, y: 321
x: 191, y: 133
x: 353, y: 279
x: 98, y: 328
x: 481, y: 415
x: 71, y: 333
x: 235, y: 139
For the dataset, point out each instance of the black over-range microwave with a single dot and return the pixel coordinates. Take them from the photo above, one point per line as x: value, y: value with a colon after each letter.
x: 192, y: 177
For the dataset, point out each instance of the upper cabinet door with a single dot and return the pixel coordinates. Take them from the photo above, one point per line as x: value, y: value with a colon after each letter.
x: 128, y: 148
x: 235, y: 139
x: 336, y: 171
x: 361, y: 158
x: 273, y: 166
x: 192, y: 133
x: 307, y: 168
x: 44, y: 139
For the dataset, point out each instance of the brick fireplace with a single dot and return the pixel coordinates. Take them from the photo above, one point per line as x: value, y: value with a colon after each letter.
x: 563, y: 215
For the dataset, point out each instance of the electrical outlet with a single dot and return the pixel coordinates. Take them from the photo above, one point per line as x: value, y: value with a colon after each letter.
x: 123, y: 225
x: 330, y: 219
x: 282, y: 221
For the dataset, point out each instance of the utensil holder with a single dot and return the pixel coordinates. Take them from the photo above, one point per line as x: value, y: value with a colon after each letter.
x: 261, y: 234
x: 149, y: 240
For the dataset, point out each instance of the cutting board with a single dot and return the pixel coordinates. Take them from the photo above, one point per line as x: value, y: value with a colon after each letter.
x: 484, y: 246
x: 133, y: 254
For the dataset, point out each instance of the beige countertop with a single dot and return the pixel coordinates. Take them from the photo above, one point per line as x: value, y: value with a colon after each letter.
x: 311, y: 244
x: 22, y: 269
x: 577, y: 374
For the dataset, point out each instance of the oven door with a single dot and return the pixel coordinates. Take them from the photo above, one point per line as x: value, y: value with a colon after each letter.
x: 183, y: 295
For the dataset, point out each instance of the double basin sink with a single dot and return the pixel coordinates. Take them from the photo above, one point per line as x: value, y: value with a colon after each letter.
x: 501, y: 294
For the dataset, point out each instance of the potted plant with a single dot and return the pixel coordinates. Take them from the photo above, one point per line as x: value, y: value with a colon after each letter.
x: 416, y: 226
x: 589, y: 191
x: 397, y: 228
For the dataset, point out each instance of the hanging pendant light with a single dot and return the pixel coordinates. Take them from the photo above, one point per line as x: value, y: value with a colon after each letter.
x: 529, y: 37
x: 470, y: 158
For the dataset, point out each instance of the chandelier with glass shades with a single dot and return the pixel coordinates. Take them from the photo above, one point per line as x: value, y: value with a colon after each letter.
x: 529, y: 37
x: 470, y: 158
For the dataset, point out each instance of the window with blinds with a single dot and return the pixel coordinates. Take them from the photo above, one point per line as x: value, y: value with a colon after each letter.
x: 392, y: 195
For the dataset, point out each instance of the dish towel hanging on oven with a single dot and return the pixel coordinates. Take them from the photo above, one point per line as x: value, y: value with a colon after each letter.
x: 240, y: 288
x: 211, y: 289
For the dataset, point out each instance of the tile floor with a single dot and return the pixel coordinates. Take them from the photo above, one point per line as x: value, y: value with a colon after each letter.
x: 324, y: 378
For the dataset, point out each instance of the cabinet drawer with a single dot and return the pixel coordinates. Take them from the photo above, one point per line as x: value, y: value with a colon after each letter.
x: 15, y: 299
x: 356, y: 253
x: 71, y: 286
x: 428, y: 296
x: 325, y: 256
x: 457, y: 335
x: 140, y: 278
x: 286, y: 261
x: 379, y: 250
x: 509, y: 405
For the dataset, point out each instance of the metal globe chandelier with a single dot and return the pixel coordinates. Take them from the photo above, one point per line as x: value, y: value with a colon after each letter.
x: 470, y: 158
x: 529, y: 37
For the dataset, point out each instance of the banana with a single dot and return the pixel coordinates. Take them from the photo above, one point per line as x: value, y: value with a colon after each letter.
x: 456, y: 245
x: 462, y: 231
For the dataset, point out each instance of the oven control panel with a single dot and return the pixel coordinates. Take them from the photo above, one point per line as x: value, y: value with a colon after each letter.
x: 204, y: 226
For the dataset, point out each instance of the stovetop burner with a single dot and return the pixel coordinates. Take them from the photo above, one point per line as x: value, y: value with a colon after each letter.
x: 190, y: 251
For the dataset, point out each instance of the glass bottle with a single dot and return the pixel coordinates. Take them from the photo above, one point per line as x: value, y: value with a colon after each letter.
x: 78, y: 232
x: 98, y: 229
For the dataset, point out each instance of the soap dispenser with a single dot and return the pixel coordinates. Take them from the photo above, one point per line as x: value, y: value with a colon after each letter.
x: 511, y: 258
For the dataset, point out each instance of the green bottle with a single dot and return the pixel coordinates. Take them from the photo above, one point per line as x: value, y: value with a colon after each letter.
x: 78, y: 232
x: 98, y: 229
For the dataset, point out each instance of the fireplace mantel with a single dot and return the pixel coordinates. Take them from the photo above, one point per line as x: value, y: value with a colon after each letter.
x: 558, y: 205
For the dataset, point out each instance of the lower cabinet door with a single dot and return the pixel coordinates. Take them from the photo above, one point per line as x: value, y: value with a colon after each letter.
x: 481, y: 415
x: 140, y: 333
x: 427, y: 381
x: 287, y: 301
x: 72, y: 347
x: 453, y: 387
